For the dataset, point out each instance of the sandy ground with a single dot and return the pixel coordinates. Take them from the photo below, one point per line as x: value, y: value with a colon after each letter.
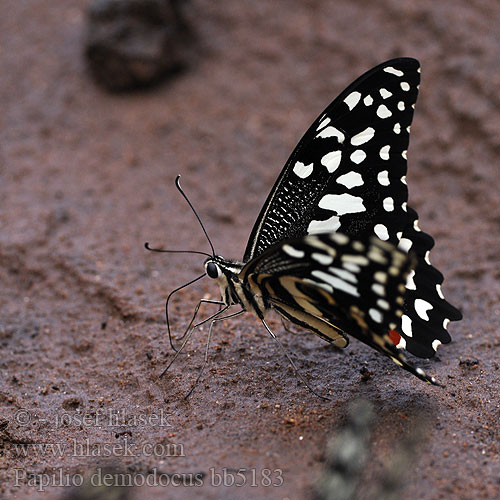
x: 86, y: 178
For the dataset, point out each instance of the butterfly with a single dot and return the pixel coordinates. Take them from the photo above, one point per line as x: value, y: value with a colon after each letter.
x: 336, y: 249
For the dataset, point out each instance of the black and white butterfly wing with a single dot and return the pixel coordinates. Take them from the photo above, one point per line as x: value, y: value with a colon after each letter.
x: 332, y: 283
x: 347, y: 174
x: 334, y: 180
x: 426, y: 313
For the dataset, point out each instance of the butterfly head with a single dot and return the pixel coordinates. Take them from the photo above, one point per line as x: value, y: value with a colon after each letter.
x: 218, y: 268
x: 225, y: 272
x: 213, y: 269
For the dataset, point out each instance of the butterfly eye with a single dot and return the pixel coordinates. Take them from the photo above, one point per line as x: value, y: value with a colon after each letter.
x: 213, y: 270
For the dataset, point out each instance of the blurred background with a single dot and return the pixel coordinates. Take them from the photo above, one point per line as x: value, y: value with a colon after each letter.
x: 102, y: 105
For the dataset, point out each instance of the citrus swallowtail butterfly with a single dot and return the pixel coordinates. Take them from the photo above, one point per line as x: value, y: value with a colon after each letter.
x: 336, y: 249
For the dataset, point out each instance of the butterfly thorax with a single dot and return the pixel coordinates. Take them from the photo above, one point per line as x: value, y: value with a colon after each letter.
x: 233, y: 289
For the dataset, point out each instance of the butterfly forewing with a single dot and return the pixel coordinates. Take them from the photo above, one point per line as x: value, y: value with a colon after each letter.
x: 426, y: 312
x: 347, y: 174
x: 340, y: 162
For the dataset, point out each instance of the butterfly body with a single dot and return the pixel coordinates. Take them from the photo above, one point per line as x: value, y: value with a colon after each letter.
x: 336, y: 249
x: 320, y: 282
x: 227, y: 275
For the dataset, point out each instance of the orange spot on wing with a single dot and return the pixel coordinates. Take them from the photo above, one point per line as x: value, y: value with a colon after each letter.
x: 394, y: 336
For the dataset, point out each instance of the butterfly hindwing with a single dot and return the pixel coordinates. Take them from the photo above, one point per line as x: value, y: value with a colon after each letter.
x: 331, y: 284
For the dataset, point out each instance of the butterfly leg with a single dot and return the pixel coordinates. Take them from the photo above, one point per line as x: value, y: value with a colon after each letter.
x: 285, y: 326
x: 170, y: 295
x: 290, y: 360
x: 205, y: 360
x: 187, y: 336
x: 196, y: 309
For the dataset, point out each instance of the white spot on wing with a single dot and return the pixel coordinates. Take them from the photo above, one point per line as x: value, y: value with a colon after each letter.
x: 406, y: 325
x: 405, y: 86
x: 317, y: 243
x: 416, y: 226
x: 363, y: 136
x: 383, y: 111
x: 379, y: 289
x: 385, y: 93
x: 426, y: 257
x: 376, y: 255
x: 405, y: 244
x: 384, y: 152
x: 388, y: 204
x: 397, y: 128
x: 358, y: 156
x: 401, y: 105
x: 393, y: 71
x: 293, y: 252
x: 332, y: 132
x: 342, y: 203
x: 337, y: 283
x: 383, y: 304
x: 422, y: 306
x: 340, y: 238
x: 302, y: 170
x: 381, y: 232
x: 368, y: 100
x: 324, y: 123
x: 350, y: 180
x: 324, y: 226
x: 358, y: 246
x: 410, y: 284
x: 332, y: 160
x: 435, y: 344
x: 376, y: 315
x: 354, y: 268
x: 344, y: 274
x: 445, y: 323
x: 352, y: 99
x: 439, y: 291
x: 401, y: 344
x: 383, y: 178
x: 326, y: 260
x: 355, y: 259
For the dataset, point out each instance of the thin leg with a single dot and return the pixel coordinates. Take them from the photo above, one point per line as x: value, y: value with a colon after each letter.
x: 290, y: 360
x: 285, y: 326
x: 170, y: 295
x: 186, y: 340
x: 207, y: 346
x: 196, y: 309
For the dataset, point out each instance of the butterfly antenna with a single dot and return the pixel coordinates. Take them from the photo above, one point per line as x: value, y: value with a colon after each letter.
x: 178, y: 185
x: 146, y: 245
